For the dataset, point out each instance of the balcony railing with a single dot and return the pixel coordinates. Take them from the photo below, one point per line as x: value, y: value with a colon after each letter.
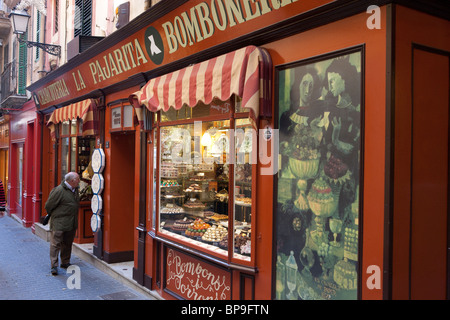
x: 13, y: 86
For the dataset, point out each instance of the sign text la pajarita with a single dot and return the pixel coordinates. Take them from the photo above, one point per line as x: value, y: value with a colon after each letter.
x: 201, y: 20
x: 112, y: 64
x: 187, y: 28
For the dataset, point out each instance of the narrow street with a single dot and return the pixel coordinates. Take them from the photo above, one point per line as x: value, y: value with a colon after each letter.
x: 25, y: 272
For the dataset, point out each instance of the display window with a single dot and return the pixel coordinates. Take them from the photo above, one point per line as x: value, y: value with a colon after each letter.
x: 205, y: 173
x: 75, y: 154
x: 318, y: 198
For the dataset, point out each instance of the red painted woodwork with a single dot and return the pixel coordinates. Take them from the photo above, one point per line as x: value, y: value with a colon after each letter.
x: 25, y: 136
x: 84, y: 232
x: 418, y: 29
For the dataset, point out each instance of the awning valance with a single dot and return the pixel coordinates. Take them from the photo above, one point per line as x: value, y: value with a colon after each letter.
x: 245, y: 72
x: 83, y: 110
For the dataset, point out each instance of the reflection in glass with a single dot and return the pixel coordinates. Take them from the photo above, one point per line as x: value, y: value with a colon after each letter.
x: 73, y: 127
x: 64, y: 156
x: 73, y: 155
x: 244, y: 135
x: 65, y: 128
x: 127, y: 116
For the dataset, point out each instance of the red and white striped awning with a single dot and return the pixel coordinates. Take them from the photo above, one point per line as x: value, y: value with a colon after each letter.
x: 83, y: 110
x: 245, y: 72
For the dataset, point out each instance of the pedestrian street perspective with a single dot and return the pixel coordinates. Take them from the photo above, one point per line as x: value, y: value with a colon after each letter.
x: 224, y: 150
x: 24, y: 275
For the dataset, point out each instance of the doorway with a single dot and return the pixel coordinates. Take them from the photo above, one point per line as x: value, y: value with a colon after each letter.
x: 429, y: 243
x: 17, y: 183
x: 120, y: 246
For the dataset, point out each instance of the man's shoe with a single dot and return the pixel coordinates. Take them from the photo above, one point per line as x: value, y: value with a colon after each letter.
x: 65, y: 265
x: 54, y: 271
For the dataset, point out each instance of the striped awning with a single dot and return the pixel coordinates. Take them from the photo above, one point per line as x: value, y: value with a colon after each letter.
x: 83, y: 110
x: 245, y: 72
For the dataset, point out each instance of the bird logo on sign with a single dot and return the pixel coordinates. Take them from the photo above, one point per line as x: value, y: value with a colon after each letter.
x: 154, y: 45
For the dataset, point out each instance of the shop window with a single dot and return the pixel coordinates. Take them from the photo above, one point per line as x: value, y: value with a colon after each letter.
x: 216, y: 108
x: 83, y: 18
x: 244, y: 136
x: 75, y: 154
x: 201, y: 201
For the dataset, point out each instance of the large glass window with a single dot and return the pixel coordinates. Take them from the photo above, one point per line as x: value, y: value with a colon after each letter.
x: 244, y: 136
x: 206, y: 178
x: 76, y: 153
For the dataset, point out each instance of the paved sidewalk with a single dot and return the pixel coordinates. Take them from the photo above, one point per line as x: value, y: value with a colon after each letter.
x: 25, y: 272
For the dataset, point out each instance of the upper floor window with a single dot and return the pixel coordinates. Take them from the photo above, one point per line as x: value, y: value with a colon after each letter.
x: 83, y: 18
x: 38, y: 33
x: 56, y: 16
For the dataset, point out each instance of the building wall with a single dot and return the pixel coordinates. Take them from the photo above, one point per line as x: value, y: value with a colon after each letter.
x: 420, y: 38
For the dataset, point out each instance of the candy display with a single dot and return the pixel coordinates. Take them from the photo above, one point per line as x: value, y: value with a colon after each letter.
x: 224, y: 243
x: 194, y: 204
x: 195, y: 187
x: 244, y: 201
x: 194, y: 195
x: 168, y: 171
x: 171, y: 209
x: 169, y: 183
x: 208, y: 214
x: 181, y: 225
x: 215, y: 234
x: 218, y: 217
x: 246, y: 248
x: 222, y: 195
x: 240, y: 240
x: 197, y: 228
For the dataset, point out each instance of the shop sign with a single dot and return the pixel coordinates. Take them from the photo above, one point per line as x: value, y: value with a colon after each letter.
x: 98, y: 183
x: 193, y: 279
x: 193, y: 27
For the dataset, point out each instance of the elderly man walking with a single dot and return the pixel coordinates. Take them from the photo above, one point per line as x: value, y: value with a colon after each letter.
x: 62, y: 207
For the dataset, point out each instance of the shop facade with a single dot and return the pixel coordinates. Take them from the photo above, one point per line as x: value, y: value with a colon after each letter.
x: 251, y: 147
x: 4, y: 157
x: 24, y: 182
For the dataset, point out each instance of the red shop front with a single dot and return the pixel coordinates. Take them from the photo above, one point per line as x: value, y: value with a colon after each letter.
x: 206, y: 179
x: 265, y: 149
x: 24, y: 185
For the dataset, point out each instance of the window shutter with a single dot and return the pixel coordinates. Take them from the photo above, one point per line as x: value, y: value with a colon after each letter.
x: 56, y: 16
x: 38, y: 33
x: 22, y: 69
x: 83, y: 18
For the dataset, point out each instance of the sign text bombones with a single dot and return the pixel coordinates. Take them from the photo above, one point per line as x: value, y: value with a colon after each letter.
x: 195, y: 280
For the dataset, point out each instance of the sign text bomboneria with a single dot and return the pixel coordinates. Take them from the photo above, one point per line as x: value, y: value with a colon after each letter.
x: 192, y: 27
x: 201, y: 21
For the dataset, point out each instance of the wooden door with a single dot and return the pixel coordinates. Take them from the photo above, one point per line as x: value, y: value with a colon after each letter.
x: 429, y: 176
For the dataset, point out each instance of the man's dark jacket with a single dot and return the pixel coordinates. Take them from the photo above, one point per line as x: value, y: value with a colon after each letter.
x: 62, y: 206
